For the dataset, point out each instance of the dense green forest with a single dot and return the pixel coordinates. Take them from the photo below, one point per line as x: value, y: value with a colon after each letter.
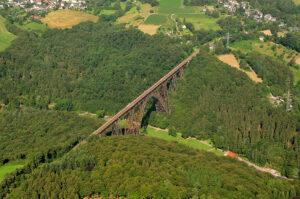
x: 89, y: 67
x: 218, y: 102
x: 143, y: 167
x: 29, y: 133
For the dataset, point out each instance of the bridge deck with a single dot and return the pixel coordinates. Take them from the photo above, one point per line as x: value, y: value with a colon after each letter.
x: 142, y: 96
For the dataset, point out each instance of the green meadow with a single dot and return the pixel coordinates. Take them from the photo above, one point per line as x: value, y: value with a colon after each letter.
x: 200, y: 21
x: 8, y: 168
x: 188, y: 142
x: 297, y: 2
x: 175, y: 7
x: 5, y: 37
x: 156, y: 19
x: 191, y: 14
x: 34, y: 26
x: 108, y: 12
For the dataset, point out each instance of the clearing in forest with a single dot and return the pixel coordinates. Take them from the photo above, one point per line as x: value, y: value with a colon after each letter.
x: 273, y: 50
x: 267, y: 32
x: 8, y: 168
x: 32, y: 26
x: 193, y: 143
x: 192, y: 14
x: 136, y: 17
x: 156, y: 19
x: 297, y: 2
x: 149, y: 29
x: 5, y: 36
x: 67, y: 18
x: 231, y: 61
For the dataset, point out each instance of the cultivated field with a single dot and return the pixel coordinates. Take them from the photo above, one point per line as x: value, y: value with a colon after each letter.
x: 67, y: 18
x: 134, y: 17
x: 231, y: 61
x: 8, y: 168
x: 191, y: 14
x: 273, y: 50
x: 267, y: 32
x: 149, y: 29
x: 5, y: 36
x: 156, y: 19
x: 188, y: 142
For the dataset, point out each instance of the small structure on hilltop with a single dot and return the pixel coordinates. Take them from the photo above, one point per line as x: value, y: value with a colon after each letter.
x: 261, y: 38
x: 231, y: 154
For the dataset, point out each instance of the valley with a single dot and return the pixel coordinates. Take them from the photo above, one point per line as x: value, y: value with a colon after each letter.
x: 149, y: 99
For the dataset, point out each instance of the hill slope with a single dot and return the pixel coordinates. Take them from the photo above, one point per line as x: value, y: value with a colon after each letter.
x: 93, y: 66
x: 143, y: 167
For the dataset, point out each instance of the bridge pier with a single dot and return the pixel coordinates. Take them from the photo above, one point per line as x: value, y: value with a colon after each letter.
x: 134, y: 120
x: 116, y: 128
x: 162, y: 101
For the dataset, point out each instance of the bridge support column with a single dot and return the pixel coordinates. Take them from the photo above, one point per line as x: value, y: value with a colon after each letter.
x: 134, y: 120
x: 180, y: 73
x: 116, y: 128
x: 173, y: 83
x: 161, y: 97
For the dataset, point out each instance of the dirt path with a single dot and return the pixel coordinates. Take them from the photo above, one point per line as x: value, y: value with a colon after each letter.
x: 159, y: 129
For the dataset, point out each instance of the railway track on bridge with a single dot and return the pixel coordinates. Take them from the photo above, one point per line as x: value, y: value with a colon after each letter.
x: 140, y: 98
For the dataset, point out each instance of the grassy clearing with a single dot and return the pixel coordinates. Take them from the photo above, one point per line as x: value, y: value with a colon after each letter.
x: 156, y: 19
x: 297, y: 2
x: 149, y: 29
x: 273, y: 50
x: 108, y: 12
x: 191, y: 14
x: 200, y: 21
x: 5, y: 37
x: 188, y: 142
x: 134, y: 17
x: 176, y: 7
x: 67, y: 18
x: 8, y: 168
x: 267, y: 32
x: 231, y: 61
x: 33, y: 26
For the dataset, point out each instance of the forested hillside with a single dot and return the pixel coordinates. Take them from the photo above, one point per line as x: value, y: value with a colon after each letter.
x: 218, y: 102
x: 143, y: 167
x: 30, y: 133
x: 89, y: 67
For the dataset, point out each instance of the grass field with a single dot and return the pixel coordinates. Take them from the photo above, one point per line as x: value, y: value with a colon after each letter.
x: 188, y: 142
x: 5, y: 36
x: 200, y: 21
x: 232, y: 61
x: 67, y: 18
x: 266, y: 49
x: 32, y: 26
x: 134, y: 17
x: 297, y: 2
x: 156, y: 19
x: 149, y: 29
x: 176, y: 7
x: 191, y: 14
x: 8, y: 168
x: 108, y: 12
